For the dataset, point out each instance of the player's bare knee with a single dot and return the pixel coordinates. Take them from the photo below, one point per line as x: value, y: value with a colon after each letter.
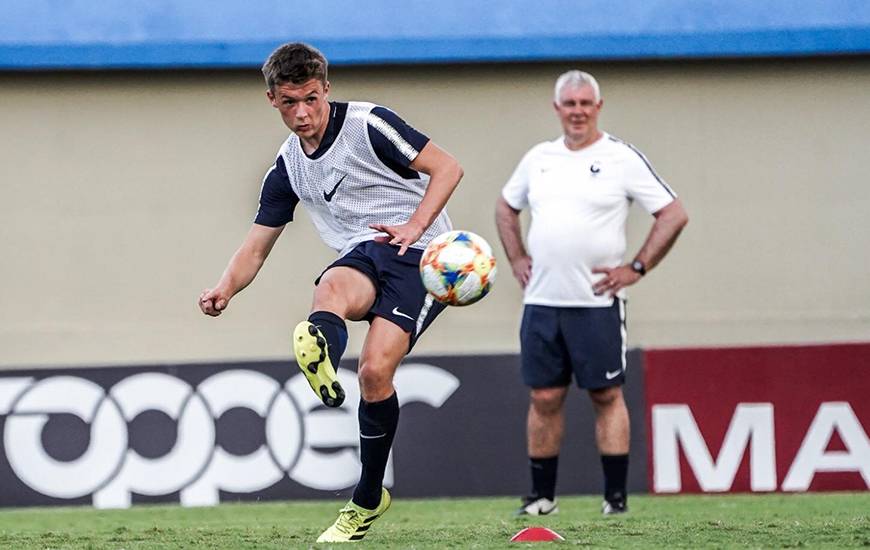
x: 327, y: 297
x: 344, y: 292
x: 606, y: 397
x: 548, y: 401
x: 375, y: 384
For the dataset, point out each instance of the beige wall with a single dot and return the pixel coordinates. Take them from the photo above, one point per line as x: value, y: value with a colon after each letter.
x: 123, y: 195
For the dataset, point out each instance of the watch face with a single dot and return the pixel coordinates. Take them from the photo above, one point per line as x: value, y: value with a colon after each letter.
x: 637, y: 265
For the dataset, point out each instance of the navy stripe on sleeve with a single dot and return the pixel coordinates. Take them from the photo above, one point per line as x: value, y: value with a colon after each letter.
x: 395, y: 142
x: 647, y: 163
x: 277, y: 198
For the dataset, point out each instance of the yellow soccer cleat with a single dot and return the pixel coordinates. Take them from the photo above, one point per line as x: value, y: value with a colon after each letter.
x: 310, y: 348
x: 353, y: 521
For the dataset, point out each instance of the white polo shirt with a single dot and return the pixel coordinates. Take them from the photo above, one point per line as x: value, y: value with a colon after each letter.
x: 579, y: 202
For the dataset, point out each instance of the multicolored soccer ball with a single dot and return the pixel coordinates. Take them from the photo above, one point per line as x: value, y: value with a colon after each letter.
x: 458, y: 268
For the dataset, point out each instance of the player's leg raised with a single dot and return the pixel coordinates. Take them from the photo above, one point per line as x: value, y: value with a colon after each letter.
x: 319, y: 342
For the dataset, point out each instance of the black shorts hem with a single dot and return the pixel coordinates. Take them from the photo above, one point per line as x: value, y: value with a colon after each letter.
x: 614, y: 384
x: 547, y: 387
x: 352, y: 263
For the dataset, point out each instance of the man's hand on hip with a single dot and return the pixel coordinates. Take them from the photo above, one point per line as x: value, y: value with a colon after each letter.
x: 615, y: 278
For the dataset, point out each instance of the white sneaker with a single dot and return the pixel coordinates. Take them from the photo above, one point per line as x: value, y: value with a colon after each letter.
x: 537, y: 507
x: 611, y: 508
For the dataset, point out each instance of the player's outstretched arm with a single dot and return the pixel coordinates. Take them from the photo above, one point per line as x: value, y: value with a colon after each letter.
x: 444, y: 174
x: 507, y: 219
x: 241, y: 270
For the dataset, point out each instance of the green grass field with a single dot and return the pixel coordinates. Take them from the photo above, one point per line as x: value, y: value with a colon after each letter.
x: 723, y: 521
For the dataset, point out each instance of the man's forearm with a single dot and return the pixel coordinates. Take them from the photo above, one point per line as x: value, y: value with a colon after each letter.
x: 663, y: 234
x: 508, y: 222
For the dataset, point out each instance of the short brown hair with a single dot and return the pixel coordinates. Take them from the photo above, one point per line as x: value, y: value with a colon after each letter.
x: 296, y: 63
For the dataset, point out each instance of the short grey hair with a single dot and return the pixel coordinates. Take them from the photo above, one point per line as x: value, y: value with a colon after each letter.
x: 578, y: 79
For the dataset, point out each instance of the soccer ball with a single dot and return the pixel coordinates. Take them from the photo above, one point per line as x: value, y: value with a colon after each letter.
x: 458, y: 268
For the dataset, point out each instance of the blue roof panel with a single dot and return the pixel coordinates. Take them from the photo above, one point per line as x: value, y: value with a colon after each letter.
x: 52, y: 34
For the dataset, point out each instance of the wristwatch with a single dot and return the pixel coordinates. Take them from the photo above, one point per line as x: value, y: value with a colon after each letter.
x: 638, y: 267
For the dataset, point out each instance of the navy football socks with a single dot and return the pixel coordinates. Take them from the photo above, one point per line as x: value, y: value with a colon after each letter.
x: 377, y: 421
x: 377, y: 427
x: 334, y: 330
x: 544, y: 476
x: 615, y: 475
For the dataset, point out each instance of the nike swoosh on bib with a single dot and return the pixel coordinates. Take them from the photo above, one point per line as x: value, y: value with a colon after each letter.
x: 328, y: 196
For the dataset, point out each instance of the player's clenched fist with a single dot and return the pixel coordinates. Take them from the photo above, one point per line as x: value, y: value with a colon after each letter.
x: 211, y: 302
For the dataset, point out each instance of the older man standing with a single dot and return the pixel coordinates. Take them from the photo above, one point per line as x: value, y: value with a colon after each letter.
x: 579, y: 188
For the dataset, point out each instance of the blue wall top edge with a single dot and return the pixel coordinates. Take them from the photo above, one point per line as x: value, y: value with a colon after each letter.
x: 149, y: 55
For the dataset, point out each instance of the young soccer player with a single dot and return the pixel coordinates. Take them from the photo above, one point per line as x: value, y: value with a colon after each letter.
x: 375, y: 188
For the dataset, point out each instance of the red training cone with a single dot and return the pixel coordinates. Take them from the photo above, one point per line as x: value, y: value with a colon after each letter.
x: 536, y: 534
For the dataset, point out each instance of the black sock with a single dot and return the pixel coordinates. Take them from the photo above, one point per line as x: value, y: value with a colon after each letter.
x: 615, y: 475
x: 544, y: 476
x: 334, y: 330
x: 377, y: 427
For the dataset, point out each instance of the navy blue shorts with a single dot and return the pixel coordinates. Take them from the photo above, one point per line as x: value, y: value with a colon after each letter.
x: 401, y: 297
x: 588, y: 342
